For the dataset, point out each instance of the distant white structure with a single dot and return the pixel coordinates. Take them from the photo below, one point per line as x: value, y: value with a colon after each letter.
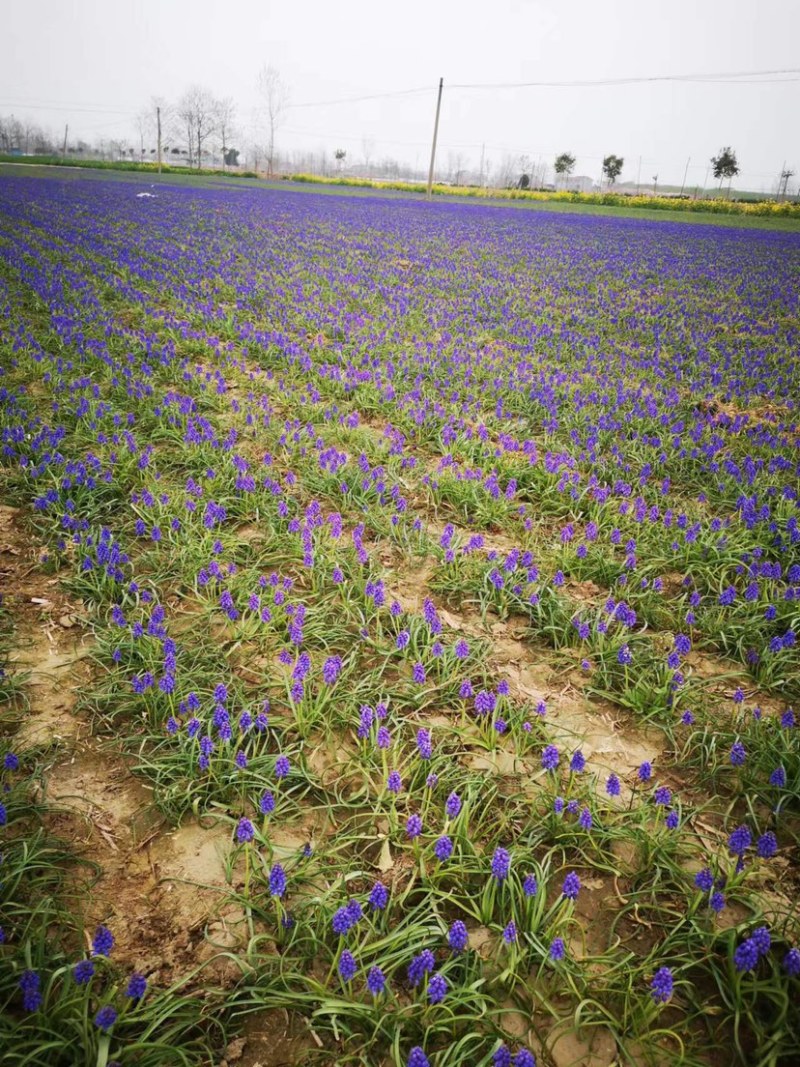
x: 577, y: 183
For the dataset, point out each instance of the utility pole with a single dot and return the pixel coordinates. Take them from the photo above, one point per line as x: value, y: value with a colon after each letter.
x: 639, y: 176
x: 435, y: 134
x: 483, y: 150
x: 66, y: 131
x: 686, y: 171
x: 783, y: 183
x: 158, y: 124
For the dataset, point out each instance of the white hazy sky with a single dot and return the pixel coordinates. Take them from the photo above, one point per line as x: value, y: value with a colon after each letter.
x: 95, y: 63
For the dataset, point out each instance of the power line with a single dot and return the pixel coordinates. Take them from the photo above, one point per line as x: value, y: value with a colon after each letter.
x: 67, y: 107
x: 743, y: 77
x: 358, y: 99
x: 725, y: 76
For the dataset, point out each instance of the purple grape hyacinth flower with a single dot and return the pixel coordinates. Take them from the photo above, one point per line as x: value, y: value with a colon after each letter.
x: 379, y: 897
x: 662, y: 985
x: 376, y: 981
x: 136, y: 987
x: 572, y: 886
x: 443, y: 848
x: 524, y: 1058
x: 761, y: 939
x: 277, y: 880
x: 578, y: 762
x: 501, y: 864
x: 558, y: 949
x: 738, y: 754
x: 704, y: 880
x: 282, y: 766
x: 105, y: 1018
x: 347, y: 966
x: 83, y: 972
x: 437, y: 988
x: 103, y: 941
x: 510, y: 932
x: 746, y: 956
x: 550, y: 758
x: 413, y: 826
x: 30, y: 985
x: 767, y: 845
x: 421, y: 965
x: 457, y: 936
x: 417, y: 1058
x: 739, y: 841
x: 244, y: 831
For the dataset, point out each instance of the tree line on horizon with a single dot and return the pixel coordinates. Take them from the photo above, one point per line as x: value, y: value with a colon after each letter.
x: 201, y: 129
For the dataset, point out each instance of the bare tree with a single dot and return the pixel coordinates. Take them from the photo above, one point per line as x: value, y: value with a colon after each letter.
x: 119, y: 147
x: 29, y: 132
x: 225, y: 116
x: 197, y: 110
x: 455, y: 166
x: 367, y: 149
x: 12, y: 134
x: 145, y: 125
x: 524, y: 172
x: 275, y: 93
x: 507, y: 171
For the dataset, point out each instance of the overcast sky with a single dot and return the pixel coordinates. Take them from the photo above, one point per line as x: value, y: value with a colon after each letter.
x: 95, y: 63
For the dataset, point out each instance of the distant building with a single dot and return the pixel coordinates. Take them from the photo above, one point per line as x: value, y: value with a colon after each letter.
x: 577, y: 183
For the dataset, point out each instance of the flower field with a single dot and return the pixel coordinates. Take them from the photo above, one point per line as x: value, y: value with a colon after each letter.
x: 399, y: 633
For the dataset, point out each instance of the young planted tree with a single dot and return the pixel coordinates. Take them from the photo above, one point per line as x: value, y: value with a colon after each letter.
x: 725, y: 165
x: 564, y: 165
x: 275, y: 94
x: 612, y: 168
